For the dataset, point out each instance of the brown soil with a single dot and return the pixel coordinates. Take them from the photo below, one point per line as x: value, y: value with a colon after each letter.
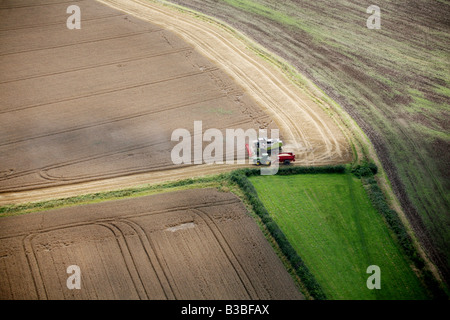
x: 102, y: 102
x: 194, y: 244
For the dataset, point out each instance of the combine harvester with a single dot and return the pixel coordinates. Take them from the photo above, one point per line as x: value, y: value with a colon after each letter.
x: 264, y: 158
x: 269, y: 144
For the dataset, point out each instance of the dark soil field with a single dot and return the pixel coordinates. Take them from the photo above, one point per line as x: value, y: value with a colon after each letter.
x: 393, y: 81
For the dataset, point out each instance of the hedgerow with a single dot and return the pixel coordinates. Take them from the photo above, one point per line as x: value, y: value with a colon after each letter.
x: 395, y: 224
x: 366, y: 169
x: 240, y: 178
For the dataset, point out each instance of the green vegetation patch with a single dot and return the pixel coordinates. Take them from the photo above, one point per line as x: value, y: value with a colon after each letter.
x: 331, y: 223
x: 216, y: 181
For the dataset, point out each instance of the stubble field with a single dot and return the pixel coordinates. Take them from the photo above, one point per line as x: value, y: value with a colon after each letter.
x: 79, y: 105
x: 103, y: 101
x: 192, y: 244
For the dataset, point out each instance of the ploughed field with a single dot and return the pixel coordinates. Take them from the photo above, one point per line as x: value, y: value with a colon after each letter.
x: 192, y: 244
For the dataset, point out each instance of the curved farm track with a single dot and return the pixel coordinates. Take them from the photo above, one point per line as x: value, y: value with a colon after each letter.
x: 93, y: 109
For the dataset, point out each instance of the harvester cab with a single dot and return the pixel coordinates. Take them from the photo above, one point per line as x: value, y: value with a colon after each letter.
x: 267, y: 144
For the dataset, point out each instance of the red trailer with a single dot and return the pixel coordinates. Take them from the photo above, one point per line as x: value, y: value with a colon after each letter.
x: 286, y: 157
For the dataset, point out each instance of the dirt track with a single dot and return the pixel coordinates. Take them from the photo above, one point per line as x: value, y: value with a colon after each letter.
x: 195, y: 244
x: 79, y: 107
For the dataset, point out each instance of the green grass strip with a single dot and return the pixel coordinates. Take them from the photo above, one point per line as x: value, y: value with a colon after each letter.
x: 330, y: 222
